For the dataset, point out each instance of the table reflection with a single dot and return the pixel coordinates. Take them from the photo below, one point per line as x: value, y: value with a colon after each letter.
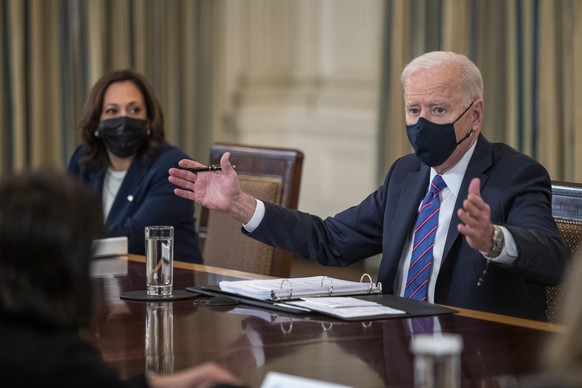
x: 170, y: 336
x: 159, y: 337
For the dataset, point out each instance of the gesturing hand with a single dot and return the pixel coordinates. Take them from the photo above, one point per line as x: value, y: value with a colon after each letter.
x: 476, y: 219
x: 218, y: 190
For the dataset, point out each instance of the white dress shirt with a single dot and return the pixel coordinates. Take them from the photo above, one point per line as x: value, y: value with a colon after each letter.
x: 111, y: 185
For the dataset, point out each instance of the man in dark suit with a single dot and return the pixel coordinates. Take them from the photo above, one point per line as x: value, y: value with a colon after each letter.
x: 496, y: 245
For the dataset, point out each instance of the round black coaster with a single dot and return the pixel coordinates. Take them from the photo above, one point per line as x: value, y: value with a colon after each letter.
x: 143, y: 295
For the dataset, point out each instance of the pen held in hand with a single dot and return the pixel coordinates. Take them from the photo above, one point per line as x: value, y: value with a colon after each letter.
x: 213, y: 167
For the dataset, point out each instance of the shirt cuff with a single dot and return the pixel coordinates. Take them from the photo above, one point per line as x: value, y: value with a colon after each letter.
x: 509, y: 252
x: 256, y: 218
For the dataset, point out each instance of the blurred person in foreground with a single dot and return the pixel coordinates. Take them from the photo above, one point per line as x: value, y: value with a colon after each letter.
x: 124, y: 158
x: 47, y: 223
x: 561, y: 358
x: 482, y: 238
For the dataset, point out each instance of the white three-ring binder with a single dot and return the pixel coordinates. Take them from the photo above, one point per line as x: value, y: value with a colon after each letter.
x: 303, y: 287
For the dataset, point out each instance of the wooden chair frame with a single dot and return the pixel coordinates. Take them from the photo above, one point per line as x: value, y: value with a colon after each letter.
x: 273, y: 164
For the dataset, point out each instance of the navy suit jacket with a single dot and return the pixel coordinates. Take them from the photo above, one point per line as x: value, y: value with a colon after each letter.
x: 146, y: 198
x: 516, y: 187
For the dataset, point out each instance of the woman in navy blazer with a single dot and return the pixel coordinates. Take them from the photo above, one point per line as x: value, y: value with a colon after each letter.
x: 124, y: 158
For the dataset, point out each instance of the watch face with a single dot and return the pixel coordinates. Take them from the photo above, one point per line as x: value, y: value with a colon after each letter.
x: 498, y: 240
x: 498, y: 243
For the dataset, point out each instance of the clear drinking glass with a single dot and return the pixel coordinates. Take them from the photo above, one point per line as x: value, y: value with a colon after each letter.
x: 159, y: 249
x: 437, y: 360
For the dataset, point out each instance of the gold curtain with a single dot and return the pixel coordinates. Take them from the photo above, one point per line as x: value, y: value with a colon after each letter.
x: 529, y: 53
x: 54, y: 50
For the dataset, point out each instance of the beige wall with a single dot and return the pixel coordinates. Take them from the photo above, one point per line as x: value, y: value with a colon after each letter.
x: 305, y: 74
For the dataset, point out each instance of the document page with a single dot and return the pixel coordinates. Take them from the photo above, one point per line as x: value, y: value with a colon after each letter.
x: 345, y: 307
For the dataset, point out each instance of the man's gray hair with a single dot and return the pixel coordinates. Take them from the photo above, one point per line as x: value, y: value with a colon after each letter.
x: 472, y: 82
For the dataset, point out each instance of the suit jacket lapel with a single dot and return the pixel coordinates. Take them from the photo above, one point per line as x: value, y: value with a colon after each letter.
x: 97, y: 183
x: 413, y: 190
x: 480, y: 161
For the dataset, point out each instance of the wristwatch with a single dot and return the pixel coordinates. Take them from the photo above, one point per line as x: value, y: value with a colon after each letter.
x: 498, y: 243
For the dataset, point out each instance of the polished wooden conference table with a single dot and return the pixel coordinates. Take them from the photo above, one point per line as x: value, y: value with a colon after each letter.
x: 135, y: 336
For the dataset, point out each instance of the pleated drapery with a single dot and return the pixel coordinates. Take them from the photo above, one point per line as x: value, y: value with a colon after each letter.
x: 528, y: 52
x: 54, y: 50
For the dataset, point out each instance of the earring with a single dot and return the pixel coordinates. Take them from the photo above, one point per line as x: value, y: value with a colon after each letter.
x: 96, y: 133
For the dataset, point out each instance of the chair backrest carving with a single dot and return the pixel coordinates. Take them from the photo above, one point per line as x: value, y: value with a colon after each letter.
x: 271, y: 174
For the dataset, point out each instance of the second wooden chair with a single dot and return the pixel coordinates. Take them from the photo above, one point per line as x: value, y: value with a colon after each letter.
x: 270, y: 174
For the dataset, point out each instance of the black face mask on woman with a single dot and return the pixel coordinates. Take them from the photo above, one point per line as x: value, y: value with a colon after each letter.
x: 122, y: 135
x: 434, y: 143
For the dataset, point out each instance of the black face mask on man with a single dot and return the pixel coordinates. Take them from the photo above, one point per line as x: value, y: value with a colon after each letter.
x: 123, y: 136
x: 434, y: 143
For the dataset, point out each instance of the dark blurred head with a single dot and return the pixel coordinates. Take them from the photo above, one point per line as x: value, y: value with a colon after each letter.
x: 47, y: 224
x: 96, y: 151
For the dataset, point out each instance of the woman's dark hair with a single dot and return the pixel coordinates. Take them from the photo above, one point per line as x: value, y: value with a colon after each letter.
x: 48, y: 221
x: 96, y: 157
